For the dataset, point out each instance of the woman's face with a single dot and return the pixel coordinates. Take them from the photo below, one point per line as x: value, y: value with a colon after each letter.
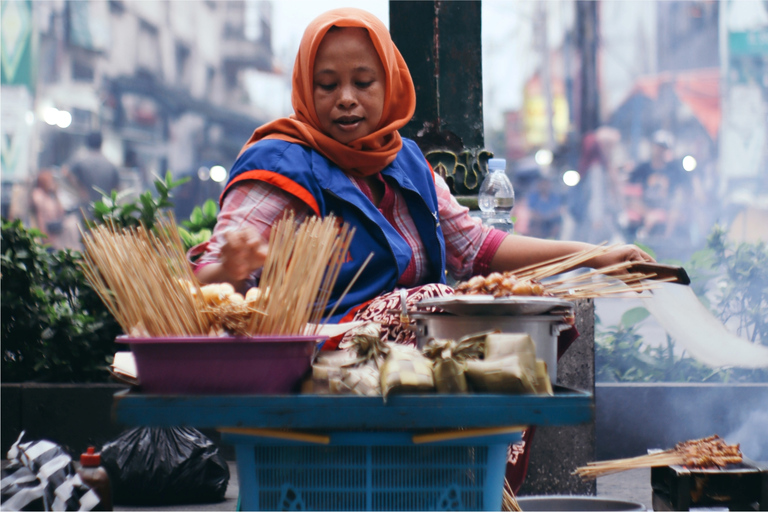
x: 349, y: 84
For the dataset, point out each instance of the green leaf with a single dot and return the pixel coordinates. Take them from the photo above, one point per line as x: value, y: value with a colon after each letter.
x: 161, y: 187
x: 186, y: 237
x: 196, y: 216
x: 210, y: 208
x: 634, y: 316
x: 101, y: 208
x: 179, y: 182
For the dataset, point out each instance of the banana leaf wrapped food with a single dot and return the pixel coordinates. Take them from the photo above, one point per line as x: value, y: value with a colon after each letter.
x: 361, y: 375
x: 509, y: 365
x: 449, y: 361
x: 406, y: 370
x: 327, y: 369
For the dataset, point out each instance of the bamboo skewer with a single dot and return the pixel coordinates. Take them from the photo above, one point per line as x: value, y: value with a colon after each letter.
x: 550, y: 262
x: 706, y: 452
x: 570, y: 262
x: 145, y: 281
x: 613, y: 280
x: 508, y: 501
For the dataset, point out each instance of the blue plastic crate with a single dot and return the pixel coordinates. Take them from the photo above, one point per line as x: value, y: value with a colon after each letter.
x: 371, y: 471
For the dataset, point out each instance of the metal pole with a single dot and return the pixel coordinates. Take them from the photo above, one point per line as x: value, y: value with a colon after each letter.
x: 546, y: 79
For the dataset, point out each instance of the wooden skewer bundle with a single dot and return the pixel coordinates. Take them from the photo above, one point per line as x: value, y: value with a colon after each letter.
x: 298, y: 276
x: 603, y: 282
x: 146, y: 282
x: 706, y: 452
x: 508, y: 501
x: 137, y: 274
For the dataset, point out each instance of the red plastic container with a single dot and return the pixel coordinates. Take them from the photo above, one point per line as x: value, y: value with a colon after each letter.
x: 221, y: 365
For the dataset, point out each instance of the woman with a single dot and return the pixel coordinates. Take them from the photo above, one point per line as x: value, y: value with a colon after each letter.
x: 341, y: 153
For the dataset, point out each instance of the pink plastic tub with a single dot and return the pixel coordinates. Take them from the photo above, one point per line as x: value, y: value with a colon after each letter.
x: 216, y: 366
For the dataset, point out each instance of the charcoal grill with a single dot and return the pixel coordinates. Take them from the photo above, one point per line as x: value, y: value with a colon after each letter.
x: 742, y: 486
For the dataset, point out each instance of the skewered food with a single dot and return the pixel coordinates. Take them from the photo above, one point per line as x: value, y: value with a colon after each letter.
x: 529, y: 281
x: 499, y: 285
x: 707, y: 452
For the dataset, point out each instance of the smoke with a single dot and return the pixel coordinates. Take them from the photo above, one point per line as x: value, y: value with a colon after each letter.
x: 752, y: 435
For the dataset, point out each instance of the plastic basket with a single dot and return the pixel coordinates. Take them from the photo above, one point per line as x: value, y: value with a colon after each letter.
x: 371, y: 471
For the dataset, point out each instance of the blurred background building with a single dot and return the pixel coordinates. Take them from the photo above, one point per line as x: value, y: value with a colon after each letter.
x: 695, y: 69
x: 573, y: 91
x: 170, y: 85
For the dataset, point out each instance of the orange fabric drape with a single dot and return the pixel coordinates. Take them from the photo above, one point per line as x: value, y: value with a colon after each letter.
x: 370, y: 154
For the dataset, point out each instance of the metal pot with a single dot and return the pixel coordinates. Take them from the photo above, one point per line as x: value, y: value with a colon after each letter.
x: 577, y: 503
x: 543, y: 330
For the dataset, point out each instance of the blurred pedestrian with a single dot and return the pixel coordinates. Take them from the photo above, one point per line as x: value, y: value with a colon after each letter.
x: 90, y: 170
x: 546, y: 210
x: 665, y: 185
x: 48, y: 214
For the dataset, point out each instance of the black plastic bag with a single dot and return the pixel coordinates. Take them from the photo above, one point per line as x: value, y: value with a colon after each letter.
x: 164, y: 466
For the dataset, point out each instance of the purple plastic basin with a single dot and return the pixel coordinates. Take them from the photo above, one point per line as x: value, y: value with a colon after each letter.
x: 220, y: 365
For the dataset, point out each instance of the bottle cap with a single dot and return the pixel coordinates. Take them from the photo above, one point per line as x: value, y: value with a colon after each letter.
x: 90, y: 458
x: 497, y: 163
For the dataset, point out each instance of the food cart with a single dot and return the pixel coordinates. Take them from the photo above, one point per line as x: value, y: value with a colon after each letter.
x: 329, y: 452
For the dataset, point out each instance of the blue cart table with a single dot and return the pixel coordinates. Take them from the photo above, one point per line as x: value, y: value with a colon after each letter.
x: 347, y: 412
x: 332, y: 452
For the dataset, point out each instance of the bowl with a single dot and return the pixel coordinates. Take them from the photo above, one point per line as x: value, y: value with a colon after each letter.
x: 222, y: 365
x: 576, y: 503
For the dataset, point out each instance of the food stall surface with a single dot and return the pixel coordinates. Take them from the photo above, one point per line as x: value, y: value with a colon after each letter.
x: 436, y: 441
x: 634, y: 485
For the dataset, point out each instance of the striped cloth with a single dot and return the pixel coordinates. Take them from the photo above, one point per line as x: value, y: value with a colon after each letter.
x: 41, y: 476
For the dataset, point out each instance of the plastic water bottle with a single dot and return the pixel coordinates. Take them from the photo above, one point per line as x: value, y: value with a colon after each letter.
x: 496, y: 196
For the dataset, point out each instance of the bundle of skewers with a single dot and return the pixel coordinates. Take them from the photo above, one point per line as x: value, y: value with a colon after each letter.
x: 708, y: 452
x: 508, y: 500
x: 534, y: 280
x: 145, y: 281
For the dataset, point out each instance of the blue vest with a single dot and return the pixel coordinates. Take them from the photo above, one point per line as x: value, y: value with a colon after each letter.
x: 308, y: 175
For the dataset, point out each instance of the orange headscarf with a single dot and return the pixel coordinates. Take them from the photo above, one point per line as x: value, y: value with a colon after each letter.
x: 370, y: 154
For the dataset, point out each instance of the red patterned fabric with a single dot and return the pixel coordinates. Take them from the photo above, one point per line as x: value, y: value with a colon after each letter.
x: 392, y: 330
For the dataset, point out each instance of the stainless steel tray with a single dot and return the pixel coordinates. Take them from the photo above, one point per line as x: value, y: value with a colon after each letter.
x: 487, y: 305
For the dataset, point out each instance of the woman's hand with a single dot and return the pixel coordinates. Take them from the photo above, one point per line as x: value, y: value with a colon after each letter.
x: 243, y: 252
x: 620, y: 254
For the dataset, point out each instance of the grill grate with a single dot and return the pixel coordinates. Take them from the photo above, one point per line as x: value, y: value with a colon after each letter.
x: 738, y: 487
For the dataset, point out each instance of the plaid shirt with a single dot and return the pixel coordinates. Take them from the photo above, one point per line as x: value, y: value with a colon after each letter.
x: 469, y: 245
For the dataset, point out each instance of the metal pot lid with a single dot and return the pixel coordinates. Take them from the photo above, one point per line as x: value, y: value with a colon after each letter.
x: 488, y: 305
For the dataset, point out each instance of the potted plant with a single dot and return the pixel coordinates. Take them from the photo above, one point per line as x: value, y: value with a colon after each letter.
x: 57, y: 335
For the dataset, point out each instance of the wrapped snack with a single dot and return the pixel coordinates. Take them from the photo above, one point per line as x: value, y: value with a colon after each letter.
x: 361, y: 374
x: 360, y: 380
x: 510, y: 366
x: 448, y: 358
x: 406, y: 370
x: 500, y: 345
x: 366, y: 342
x: 327, y: 368
x: 543, y: 384
x: 510, y: 374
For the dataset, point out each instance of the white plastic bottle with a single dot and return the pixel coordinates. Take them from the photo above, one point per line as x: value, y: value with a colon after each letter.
x: 496, y: 196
